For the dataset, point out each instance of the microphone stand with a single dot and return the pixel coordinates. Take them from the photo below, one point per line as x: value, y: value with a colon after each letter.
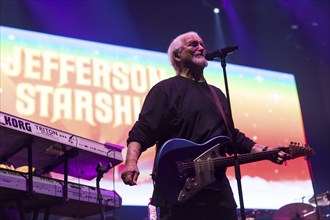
x: 100, y: 171
x: 236, y: 163
x: 317, y: 208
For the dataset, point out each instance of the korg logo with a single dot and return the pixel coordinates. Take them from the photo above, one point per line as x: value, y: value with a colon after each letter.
x: 17, y: 123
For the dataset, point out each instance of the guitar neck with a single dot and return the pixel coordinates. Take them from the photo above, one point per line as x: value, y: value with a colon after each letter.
x: 244, y: 158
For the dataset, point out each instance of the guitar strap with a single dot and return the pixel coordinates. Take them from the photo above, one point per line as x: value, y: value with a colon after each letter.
x: 219, y: 105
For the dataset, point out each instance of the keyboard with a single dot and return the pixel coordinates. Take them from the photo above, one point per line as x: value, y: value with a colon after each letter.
x: 51, y: 146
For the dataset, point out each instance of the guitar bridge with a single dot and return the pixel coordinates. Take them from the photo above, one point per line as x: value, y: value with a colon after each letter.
x: 197, y: 173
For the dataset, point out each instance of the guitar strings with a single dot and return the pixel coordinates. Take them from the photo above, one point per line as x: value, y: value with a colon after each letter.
x: 294, y: 151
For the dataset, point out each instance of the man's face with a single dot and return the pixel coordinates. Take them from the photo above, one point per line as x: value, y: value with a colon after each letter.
x: 193, y: 51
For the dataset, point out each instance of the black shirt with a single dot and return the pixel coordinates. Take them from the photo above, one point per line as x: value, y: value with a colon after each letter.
x: 179, y: 107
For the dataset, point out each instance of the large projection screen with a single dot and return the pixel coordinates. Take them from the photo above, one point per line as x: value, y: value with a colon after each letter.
x: 96, y: 91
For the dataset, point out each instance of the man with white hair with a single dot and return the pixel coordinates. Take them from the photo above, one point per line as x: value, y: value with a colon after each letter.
x: 183, y: 107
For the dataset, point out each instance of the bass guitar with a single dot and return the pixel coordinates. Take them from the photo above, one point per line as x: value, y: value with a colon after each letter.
x: 182, y: 167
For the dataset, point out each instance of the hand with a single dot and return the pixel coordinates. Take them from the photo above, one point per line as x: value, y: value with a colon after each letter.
x: 130, y: 174
x: 131, y: 171
x: 278, y: 158
x: 281, y: 155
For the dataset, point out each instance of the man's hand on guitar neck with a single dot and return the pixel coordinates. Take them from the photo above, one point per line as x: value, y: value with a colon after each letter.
x: 279, y: 159
x: 131, y: 171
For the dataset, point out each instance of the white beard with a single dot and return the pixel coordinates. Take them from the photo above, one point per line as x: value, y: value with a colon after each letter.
x: 200, y: 61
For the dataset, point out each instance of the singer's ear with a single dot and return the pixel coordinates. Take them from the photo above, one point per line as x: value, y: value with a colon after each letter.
x: 177, y: 56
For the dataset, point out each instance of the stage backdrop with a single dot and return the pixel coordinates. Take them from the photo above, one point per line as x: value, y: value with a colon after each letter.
x: 96, y: 91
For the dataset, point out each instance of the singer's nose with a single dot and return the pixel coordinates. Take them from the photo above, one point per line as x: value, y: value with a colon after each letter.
x: 201, y: 48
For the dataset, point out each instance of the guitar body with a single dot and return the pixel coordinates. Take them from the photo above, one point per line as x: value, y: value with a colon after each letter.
x: 177, y: 180
x: 183, y: 168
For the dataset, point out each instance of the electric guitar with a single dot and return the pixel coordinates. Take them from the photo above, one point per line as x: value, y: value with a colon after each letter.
x: 182, y: 167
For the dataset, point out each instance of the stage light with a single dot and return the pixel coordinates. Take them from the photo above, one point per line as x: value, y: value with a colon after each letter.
x: 216, y: 10
x: 294, y: 27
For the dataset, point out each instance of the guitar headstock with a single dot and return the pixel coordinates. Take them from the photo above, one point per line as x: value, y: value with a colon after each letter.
x: 297, y: 150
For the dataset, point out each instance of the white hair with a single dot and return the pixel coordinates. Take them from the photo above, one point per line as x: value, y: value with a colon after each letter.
x: 175, y: 45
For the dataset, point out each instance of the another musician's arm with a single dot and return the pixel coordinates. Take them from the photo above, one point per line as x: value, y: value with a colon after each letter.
x: 131, y: 172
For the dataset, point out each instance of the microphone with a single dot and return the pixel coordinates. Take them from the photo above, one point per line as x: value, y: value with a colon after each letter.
x: 221, y: 53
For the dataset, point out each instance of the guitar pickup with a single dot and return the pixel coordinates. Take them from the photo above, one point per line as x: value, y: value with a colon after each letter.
x: 185, y: 169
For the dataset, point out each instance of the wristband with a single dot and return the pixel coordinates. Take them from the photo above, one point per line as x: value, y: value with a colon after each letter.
x: 265, y: 148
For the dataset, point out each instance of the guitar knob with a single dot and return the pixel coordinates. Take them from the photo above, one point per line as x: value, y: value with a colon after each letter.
x: 188, y: 188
